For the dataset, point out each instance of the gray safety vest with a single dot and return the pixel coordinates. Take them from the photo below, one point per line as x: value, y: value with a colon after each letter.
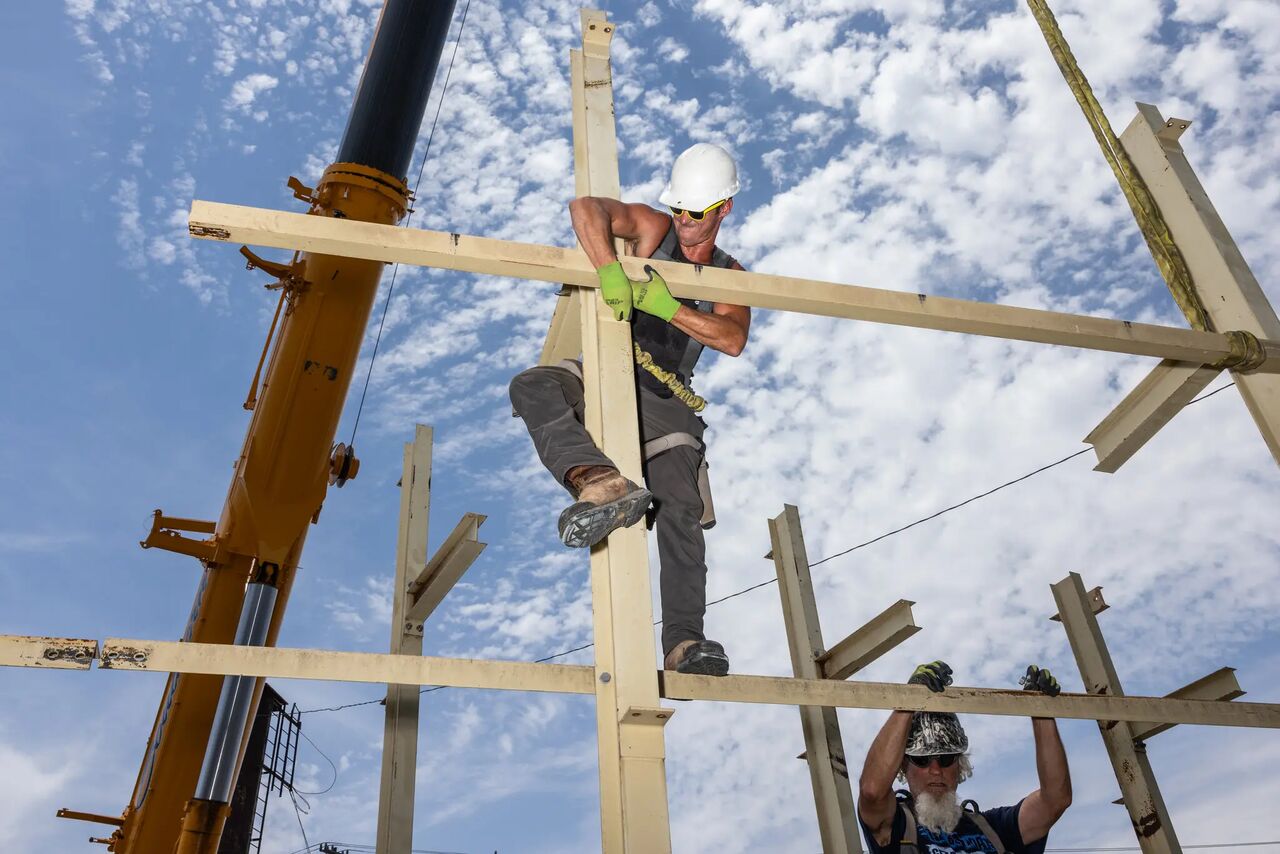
x: 671, y: 349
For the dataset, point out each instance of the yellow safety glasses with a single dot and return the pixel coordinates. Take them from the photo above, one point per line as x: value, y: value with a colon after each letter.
x: 696, y: 216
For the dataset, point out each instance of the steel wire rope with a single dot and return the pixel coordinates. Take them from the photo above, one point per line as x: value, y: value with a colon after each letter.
x: 444, y: 90
x: 298, y: 812
x: 332, y: 782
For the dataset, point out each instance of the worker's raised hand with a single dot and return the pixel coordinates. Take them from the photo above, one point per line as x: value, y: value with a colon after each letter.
x: 935, y: 676
x: 615, y: 289
x: 652, y: 297
x: 1040, y: 679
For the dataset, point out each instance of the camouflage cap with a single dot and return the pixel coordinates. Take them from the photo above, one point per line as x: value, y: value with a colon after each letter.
x: 936, y: 733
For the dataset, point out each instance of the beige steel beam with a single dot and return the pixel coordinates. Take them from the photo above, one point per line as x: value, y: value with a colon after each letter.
x: 400, y: 724
x: 442, y: 572
x: 882, y: 633
x: 1138, y: 786
x: 785, y: 691
x: 1096, y: 604
x: 363, y: 667
x: 629, y: 722
x: 1152, y: 404
x: 1221, y: 684
x: 824, y: 748
x: 564, y: 336
x: 331, y: 666
x: 1218, y: 685
x: 349, y: 238
x: 56, y: 653
x: 1226, y: 286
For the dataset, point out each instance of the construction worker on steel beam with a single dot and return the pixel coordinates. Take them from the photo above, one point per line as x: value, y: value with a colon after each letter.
x: 929, y: 752
x: 669, y: 335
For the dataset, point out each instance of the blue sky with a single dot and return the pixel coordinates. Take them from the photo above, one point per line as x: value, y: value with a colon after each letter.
x: 926, y: 146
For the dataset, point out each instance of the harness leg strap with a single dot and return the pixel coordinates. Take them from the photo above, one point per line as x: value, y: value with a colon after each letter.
x: 654, y: 447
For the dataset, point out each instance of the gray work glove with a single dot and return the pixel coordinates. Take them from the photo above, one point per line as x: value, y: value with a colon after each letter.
x: 936, y: 675
x: 1040, y: 679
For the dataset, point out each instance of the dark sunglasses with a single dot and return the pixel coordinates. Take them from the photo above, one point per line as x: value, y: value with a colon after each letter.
x: 946, y: 760
x: 696, y: 216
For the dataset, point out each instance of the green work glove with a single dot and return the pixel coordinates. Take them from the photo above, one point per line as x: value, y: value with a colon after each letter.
x: 615, y: 288
x: 652, y: 296
x: 935, y: 676
x: 1039, y: 679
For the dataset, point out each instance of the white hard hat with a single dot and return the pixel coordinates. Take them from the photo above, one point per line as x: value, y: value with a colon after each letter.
x: 703, y: 175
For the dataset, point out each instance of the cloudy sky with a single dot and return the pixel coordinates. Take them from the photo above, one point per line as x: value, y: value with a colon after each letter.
x: 922, y: 145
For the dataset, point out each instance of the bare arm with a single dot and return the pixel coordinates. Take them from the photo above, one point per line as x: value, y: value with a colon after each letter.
x: 1046, y: 804
x: 724, y: 329
x: 597, y: 221
x: 876, y: 801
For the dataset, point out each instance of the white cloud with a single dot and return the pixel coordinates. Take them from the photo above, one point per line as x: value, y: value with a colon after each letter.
x: 364, y: 611
x: 671, y: 50
x: 29, y: 785
x: 245, y: 91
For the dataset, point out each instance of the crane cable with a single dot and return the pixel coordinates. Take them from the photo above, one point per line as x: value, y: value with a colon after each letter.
x: 1246, y: 352
x: 421, y: 167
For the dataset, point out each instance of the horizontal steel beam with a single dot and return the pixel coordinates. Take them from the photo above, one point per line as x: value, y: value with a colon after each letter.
x: 58, y: 653
x: 329, y: 666
x: 880, y: 634
x: 384, y: 668
x: 348, y: 238
x: 977, y: 701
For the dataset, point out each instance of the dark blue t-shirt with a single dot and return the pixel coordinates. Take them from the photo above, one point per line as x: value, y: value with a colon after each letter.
x: 965, y: 839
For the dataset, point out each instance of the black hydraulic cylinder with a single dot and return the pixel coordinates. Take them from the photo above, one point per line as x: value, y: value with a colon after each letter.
x: 396, y: 83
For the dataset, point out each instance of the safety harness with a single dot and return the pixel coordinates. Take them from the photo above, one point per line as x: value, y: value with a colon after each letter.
x: 663, y: 352
x: 673, y: 366
x: 669, y: 356
x: 911, y: 839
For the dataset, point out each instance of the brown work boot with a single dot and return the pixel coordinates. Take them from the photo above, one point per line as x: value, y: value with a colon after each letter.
x: 606, y: 501
x: 704, y: 657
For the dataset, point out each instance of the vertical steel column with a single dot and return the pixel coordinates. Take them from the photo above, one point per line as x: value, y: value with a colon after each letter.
x: 400, y: 728
x: 1227, y: 287
x: 824, y: 748
x: 1128, y: 757
x: 633, y: 789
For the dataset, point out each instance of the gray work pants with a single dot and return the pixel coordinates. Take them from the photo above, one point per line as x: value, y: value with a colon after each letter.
x: 550, y: 400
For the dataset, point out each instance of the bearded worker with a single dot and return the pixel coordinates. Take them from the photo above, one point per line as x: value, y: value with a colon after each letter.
x: 929, y: 752
x: 670, y: 333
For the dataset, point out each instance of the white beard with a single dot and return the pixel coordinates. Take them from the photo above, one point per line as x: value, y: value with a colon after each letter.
x: 938, y: 812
